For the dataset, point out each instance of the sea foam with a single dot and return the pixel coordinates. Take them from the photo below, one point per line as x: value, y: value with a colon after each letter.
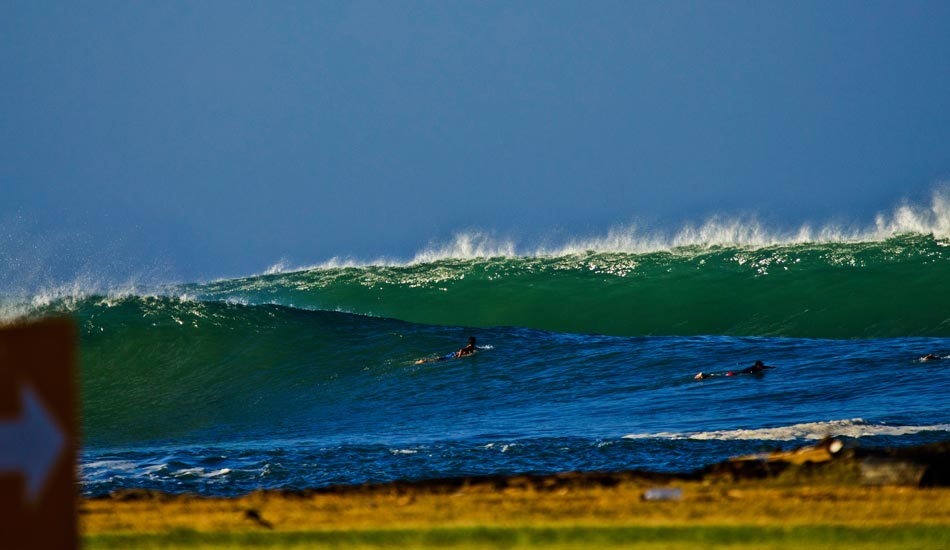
x: 635, y: 238
x: 854, y: 428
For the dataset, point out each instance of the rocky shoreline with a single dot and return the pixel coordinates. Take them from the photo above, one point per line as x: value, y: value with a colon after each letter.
x: 829, y: 461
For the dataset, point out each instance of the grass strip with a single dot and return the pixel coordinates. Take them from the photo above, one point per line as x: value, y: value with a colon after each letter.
x: 730, y: 537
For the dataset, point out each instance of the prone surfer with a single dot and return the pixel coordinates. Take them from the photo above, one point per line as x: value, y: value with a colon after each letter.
x: 930, y: 357
x: 757, y: 368
x: 467, y: 350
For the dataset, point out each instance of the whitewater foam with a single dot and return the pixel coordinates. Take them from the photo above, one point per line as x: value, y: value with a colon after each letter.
x: 68, y: 297
x: 741, y: 238
x: 718, y: 231
x: 403, y: 451
x: 854, y: 428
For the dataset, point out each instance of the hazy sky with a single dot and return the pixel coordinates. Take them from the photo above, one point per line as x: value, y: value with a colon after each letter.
x: 207, y: 139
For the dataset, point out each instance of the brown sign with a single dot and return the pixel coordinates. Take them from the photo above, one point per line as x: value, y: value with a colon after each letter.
x: 37, y: 436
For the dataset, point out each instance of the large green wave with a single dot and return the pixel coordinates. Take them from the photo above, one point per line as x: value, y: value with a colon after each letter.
x: 271, y: 353
x: 156, y: 367
x: 892, y: 288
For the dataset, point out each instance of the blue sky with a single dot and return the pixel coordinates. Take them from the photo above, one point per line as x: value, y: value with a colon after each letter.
x: 209, y: 139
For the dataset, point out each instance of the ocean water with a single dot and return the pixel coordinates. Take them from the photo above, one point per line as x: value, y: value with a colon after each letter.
x: 587, y: 355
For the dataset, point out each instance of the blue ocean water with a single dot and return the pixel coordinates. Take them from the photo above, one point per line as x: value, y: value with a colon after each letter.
x: 587, y: 361
x: 532, y: 402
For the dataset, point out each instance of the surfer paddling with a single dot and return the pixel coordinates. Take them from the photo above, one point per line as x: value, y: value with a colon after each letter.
x: 467, y: 350
x: 757, y: 368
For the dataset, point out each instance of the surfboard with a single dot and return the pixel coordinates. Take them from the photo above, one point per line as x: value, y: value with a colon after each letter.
x: 445, y: 357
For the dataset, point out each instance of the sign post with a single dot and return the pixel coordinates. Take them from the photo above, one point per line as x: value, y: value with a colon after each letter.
x: 37, y: 436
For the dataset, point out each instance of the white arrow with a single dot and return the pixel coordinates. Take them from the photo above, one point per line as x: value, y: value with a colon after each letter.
x: 31, y: 443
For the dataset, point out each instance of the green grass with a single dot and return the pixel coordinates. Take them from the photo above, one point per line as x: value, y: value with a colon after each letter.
x: 812, y: 537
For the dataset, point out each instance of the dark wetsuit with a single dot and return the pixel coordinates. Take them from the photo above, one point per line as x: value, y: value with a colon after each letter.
x: 467, y: 350
x: 758, y: 368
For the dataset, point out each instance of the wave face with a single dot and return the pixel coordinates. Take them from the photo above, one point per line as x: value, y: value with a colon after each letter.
x: 160, y: 368
x: 163, y: 368
x: 170, y: 369
x: 895, y: 287
x: 224, y: 398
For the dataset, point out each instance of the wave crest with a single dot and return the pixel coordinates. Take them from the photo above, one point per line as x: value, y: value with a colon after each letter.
x: 716, y: 232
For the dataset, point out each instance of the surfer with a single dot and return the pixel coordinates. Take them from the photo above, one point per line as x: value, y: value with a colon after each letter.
x: 930, y: 357
x: 467, y: 350
x: 757, y: 368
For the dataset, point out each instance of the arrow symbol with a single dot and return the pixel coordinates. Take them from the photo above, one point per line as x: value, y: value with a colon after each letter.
x: 31, y: 443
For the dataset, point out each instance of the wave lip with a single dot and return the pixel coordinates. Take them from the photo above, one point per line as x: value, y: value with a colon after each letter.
x: 727, y: 277
x: 811, y: 291
x: 717, y: 231
x: 854, y: 428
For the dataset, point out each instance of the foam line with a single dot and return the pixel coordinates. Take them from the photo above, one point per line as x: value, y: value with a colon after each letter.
x: 854, y: 428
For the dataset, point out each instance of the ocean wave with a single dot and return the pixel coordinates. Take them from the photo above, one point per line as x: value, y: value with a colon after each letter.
x: 727, y: 277
x: 806, y: 290
x: 854, y: 428
x: 838, y: 290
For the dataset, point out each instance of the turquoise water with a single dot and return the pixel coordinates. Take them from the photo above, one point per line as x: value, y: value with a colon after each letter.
x: 832, y: 290
x: 586, y: 362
